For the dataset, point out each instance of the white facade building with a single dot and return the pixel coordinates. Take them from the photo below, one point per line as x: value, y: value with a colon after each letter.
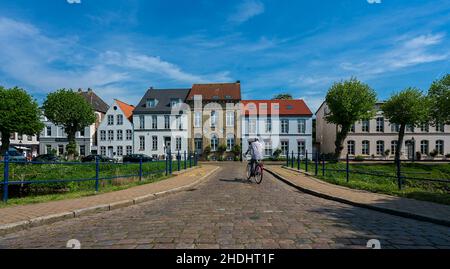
x: 54, y: 139
x: 29, y: 144
x: 156, y: 129
x: 279, y: 124
x: 115, y: 133
x: 377, y: 138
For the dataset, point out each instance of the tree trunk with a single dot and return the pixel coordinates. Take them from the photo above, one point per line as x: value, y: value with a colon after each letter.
x: 5, y: 143
x: 401, y: 135
x: 71, y: 147
x: 340, y: 137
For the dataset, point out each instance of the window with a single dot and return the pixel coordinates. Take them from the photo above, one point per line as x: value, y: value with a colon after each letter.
x: 285, y: 147
x: 119, y: 151
x: 440, y: 128
x: 129, y: 135
x: 82, y: 133
x: 129, y: 150
x: 365, y: 147
x: 213, y: 118
x: 12, y: 136
x: 151, y: 103
x: 102, y: 150
x: 110, y: 135
x: 197, y: 119
x: 154, y: 122
x: 61, y: 132
x: 352, y: 128
x: 119, y: 119
x: 380, y: 147
x: 119, y: 135
x: 268, y: 148
x: 110, y: 119
x: 268, y: 125
x: 440, y: 147
x: 102, y: 135
x: 82, y: 150
x: 214, y: 143
x: 394, y: 144
x: 178, y: 122
x: 425, y: 128
x: 252, y: 126
x: 174, y: 101
x: 351, y: 147
x: 424, y: 149
x: 61, y: 149
x: 178, y: 143
x: 285, y: 126
x: 20, y: 137
x: 198, y: 144
x: 380, y: 124
x: 301, y: 147
x: 395, y: 128
x: 230, y: 119
x: 365, y: 126
x: 49, y: 149
x: 154, y: 143
x: 141, y: 122
x: 29, y: 138
x: 166, y: 122
x: 301, y: 124
x: 49, y: 130
x: 410, y: 128
x: 230, y: 142
x: 141, y: 143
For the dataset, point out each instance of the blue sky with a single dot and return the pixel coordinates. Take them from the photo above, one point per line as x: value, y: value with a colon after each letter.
x: 121, y: 48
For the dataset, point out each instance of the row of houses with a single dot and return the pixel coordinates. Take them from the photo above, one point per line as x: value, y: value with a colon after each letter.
x: 212, y: 118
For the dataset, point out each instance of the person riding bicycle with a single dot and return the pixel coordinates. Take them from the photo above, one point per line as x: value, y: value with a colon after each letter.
x: 255, y: 149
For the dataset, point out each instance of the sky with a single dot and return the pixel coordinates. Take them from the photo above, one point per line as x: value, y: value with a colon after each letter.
x: 120, y: 48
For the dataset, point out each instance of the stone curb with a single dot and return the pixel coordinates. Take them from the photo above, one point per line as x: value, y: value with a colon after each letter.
x: 49, y: 219
x: 390, y: 211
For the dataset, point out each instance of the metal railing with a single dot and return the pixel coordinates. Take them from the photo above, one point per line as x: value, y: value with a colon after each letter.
x: 180, y: 161
x: 320, y: 162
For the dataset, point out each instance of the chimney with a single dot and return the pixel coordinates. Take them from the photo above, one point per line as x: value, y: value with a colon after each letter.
x: 80, y: 90
x: 151, y: 88
x: 238, y: 81
x: 89, y: 90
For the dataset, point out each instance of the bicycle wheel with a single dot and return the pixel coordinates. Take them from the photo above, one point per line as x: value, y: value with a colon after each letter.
x: 259, y: 174
x: 249, y: 174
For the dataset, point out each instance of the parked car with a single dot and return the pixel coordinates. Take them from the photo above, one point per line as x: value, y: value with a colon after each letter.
x: 16, y: 156
x: 135, y: 158
x: 46, y: 158
x: 101, y: 158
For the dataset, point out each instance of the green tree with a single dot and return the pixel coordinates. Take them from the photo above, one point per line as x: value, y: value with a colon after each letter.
x: 283, y: 96
x: 237, y: 152
x: 221, y: 150
x: 18, y: 113
x: 70, y: 110
x: 439, y: 95
x: 348, y: 102
x: 408, y: 107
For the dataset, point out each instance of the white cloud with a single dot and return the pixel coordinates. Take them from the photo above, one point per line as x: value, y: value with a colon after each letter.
x: 247, y: 10
x: 74, y: 1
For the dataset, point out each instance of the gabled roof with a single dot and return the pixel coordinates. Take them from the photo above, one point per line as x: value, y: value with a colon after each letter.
x: 163, y: 96
x: 216, y: 91
x: 94, y: 100
x: 296, y: 107
x: 126, y: 109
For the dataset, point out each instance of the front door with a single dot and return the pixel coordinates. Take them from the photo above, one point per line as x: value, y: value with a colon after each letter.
x: 410, y: 149
x: 198, y: 145
x: 167, y: 143
x: 110, y: 152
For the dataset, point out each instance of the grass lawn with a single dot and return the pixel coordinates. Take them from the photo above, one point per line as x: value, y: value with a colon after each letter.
x: 113, y: 177
x: 386, y: 182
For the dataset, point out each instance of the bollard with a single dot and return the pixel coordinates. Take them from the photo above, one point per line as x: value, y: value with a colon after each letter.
x: 178, y: 161
x: 317, y: 164
x: 347, y: 170
x: 190, y: 159
x: 185, y: 160
x: 167, y: 166
x: 306, y: 162
x: 5, y: 177
x: 292, y: 159
x: 140, y: 169
x: 287, y: 158
x: 298, y: 160
x: 323, y: 166
x: 170, y: 162
x: 97, y: 173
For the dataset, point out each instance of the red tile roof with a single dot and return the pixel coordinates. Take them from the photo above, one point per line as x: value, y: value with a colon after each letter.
x: 296, y: 107
x: 126, y: 108
x: 216, y: 91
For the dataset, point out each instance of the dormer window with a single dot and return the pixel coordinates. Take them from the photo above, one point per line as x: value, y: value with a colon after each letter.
x: 228, y: 97
x: 174, y: 101
x: 289, y: 107
x: 215, y: 97
x: 152, y: 103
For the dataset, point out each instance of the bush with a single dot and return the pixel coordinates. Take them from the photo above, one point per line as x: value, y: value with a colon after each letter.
x: 359, y: 158
x: 418, y: 156
x: 447, y: 155
x: 330, y: 157
x: 433, y: 153
x: 276, y: 154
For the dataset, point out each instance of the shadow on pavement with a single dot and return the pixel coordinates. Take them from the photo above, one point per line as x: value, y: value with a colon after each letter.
x: 236, y: 180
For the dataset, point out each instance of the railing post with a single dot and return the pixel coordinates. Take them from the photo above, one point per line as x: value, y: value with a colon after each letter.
x: 298, y: 160
x: 190, y: 159
x: 306, y: 162
x: 185, y: 160
x: 140, y: 169
x: 179, y: 161
x: 97, y: 173
x: 347, y: 169
x: 167, y: 167
x: 323, y: 166
x: 5, y: 177
x: 292, y: 160
x: 195, y: 159
x: 399, y: 174
x: 287, y: 158
x: 317, y: 163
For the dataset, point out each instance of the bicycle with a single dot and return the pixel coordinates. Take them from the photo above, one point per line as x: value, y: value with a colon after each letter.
x: 257, y: 174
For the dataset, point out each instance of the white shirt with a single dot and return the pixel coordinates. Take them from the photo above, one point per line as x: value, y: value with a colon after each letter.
x: 256, y: 150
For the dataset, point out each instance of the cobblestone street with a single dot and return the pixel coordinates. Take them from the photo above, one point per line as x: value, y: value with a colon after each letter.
x: 226, y: 211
